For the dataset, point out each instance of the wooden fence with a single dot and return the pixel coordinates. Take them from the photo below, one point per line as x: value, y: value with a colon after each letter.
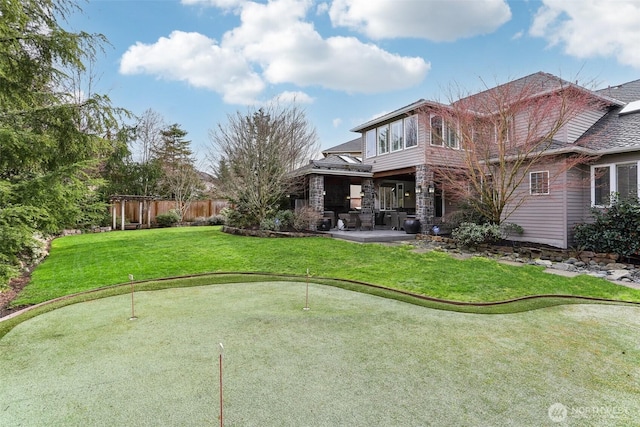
x: 197, y: 209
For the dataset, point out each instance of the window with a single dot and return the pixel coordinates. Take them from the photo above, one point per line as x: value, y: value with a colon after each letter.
x: 396, y: 136
x: 411, y: 131
x: 452, y: 137
x: 383, y: 139
x: 602, y: 186
x: 620, y: 180
x: 539, y: 182
x: 370, y: 143
x: 627, y: 180
x: 437, y: 130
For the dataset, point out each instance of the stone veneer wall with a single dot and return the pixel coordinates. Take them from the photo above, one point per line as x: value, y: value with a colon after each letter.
x: 424, y: 200
x: 316, y: 196
x: 368, y: 201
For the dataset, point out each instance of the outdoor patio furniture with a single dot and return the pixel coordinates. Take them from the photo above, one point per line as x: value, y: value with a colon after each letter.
x: 366, y: 221
x: 350, y: 220
x: 401, y: 217
x: 393, y: 220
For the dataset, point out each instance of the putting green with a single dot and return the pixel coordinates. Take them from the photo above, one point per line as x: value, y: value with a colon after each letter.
x: 352, y: 359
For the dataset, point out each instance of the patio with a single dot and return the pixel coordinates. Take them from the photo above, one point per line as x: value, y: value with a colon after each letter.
x: 371, y: 236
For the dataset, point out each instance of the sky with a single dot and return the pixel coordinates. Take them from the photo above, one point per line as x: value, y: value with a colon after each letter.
x: 345, y: 62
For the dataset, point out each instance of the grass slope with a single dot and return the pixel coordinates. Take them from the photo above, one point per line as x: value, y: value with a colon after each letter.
x: 353, y: 359
x: 83, y: 262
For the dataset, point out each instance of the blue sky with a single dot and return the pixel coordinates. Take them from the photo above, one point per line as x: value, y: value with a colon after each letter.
x: 345, y: 61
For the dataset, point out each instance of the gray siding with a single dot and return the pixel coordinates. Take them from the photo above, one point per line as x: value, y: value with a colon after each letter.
x: 543, y: 216
x: 578, y: 200
x: 580, y: 124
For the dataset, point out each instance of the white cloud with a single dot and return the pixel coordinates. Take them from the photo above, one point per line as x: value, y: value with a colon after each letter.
x: 336, y: 122
x: 437, y: 20
x: 274, y: 43
x: 592, y: 28
x: 297, y: 97
x: 197, y: 60
x: 222, y: 4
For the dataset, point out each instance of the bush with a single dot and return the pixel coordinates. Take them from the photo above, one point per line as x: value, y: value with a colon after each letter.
x: 614, y: 230
x: 469, y: 234
x: 216, y: 220
x: 168, y: 219
x: 304, y: 217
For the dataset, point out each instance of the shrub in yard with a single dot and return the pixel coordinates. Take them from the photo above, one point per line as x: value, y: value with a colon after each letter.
x: 471, y: 234
x: 614, y: 230
x: 216, y: 220
x: 168, y: 219
x: 508, y: 229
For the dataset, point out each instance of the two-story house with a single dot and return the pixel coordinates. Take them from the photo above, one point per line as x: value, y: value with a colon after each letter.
x: 571, y: 148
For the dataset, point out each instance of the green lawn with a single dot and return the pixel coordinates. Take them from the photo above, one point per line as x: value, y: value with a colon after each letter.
x: 351, y: 360
x: 83, y: 262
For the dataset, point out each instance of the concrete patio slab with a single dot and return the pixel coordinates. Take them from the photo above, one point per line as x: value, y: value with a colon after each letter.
x: 371, y: 236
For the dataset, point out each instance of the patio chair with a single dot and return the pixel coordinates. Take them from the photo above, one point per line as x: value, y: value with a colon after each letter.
x: 366, y: 221
x: 401, y: 217
x: 349, y: 220
x: 393, y: 222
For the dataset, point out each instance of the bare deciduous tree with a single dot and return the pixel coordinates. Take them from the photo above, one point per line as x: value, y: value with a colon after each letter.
x: 253, y: 153
x: 497, y: 137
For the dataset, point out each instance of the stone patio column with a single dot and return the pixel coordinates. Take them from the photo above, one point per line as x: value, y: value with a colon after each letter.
x: 368, y: 200
x: 316, y: 195
x: 425, y: 200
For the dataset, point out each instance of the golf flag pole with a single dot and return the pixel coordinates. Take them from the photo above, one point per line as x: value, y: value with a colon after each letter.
x: 221, y: 400
x: 133, y: 316
x: 306, y: 302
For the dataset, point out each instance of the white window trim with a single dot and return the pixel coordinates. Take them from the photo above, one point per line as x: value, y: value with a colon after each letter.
x: 378, y: 152
x: 373, y: 131
x: 546, y: 172
x: 404, y: 130
x: 431, y: 130
x: 613, y: 180
x: 401, y: 145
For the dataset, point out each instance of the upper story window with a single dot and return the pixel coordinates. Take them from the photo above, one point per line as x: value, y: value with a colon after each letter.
x: 437, y: 130
x: 383, y: 139
x: 452, y: 137
x: 539, y: 182
x: 441, y: 134
x: 411, y: 131
x: 397, y: 136
x: 614, y: 180
x: 370, y: 143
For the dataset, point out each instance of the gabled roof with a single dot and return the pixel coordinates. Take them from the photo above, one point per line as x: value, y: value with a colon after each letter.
x: 626, y: 92
x: 533, y: 85
x: 616, y: 132
x: 353, y: 146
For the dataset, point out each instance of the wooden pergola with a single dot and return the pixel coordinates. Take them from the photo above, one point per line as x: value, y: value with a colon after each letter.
x: 143, y: 202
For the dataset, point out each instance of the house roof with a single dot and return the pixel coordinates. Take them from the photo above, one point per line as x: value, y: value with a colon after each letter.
x: 349, y: 147
x: 533, y: 85
x: 616, y: 132
x: 626, y: 92
x: 336, y: 164
x: 421, y: 103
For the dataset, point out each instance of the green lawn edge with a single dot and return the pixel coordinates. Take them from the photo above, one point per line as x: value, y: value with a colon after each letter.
x: 528, y: 303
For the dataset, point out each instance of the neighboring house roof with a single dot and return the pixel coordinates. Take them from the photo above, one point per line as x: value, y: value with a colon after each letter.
x: 336, y: 164
x: 353, y: 147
